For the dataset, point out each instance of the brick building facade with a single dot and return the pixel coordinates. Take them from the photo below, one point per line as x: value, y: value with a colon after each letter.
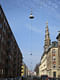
x: 10, y: 54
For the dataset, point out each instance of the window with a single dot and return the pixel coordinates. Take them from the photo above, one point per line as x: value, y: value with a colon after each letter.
x: 4, y: 21
x: 0, y: 71
x: 54, y: 58
x: 0, y: 25
x: 9, y: 57
x: 2, y: 39
x: 0, y: 12
x: 0, y: 36
x: 54, y: 62
x: 54, y: 74
x: 53, y: 51
x: 4, y: 30
x: 54, y: 66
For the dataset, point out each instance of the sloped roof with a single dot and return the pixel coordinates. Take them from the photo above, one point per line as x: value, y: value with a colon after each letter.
x: 58, y: 36
x: 54, y: 44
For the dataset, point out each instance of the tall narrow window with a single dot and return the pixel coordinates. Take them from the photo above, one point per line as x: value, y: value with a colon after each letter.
x: 0, y: 54
x: 0, y: 12
x: 0, y: 25
x: 54, y: 74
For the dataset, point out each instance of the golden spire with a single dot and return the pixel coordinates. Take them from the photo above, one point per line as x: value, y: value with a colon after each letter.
x: 47, y: 23
x: 47, y: 37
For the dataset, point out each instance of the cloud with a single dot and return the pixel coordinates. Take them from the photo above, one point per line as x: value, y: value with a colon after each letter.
x: 46, y: 3
x: 56, y: 14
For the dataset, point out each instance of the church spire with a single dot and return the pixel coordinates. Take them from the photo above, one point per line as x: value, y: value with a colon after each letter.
x: 47, y: 37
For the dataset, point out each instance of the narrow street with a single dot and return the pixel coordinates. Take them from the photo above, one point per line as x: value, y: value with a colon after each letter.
x: 29, y: 39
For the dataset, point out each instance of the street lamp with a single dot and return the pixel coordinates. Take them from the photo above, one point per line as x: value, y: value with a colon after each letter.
x: 31, y: 16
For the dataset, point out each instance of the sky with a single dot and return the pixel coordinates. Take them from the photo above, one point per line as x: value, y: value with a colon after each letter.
x: 30, y: 34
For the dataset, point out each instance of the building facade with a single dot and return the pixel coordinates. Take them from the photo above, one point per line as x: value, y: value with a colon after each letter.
x: 43, y: 61
x: 50, y: 60
x: 10, y: 54
x: 24, y: 70
x: 36, y: 70
x: 43, y: 65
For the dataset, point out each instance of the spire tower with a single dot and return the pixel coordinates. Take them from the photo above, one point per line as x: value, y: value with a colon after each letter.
x: 47, y: 38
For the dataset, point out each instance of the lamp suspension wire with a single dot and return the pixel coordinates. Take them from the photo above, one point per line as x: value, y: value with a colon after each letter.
x: 31, y: 17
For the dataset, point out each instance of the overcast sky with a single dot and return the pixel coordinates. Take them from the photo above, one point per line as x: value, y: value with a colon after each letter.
x: 30, y: 34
